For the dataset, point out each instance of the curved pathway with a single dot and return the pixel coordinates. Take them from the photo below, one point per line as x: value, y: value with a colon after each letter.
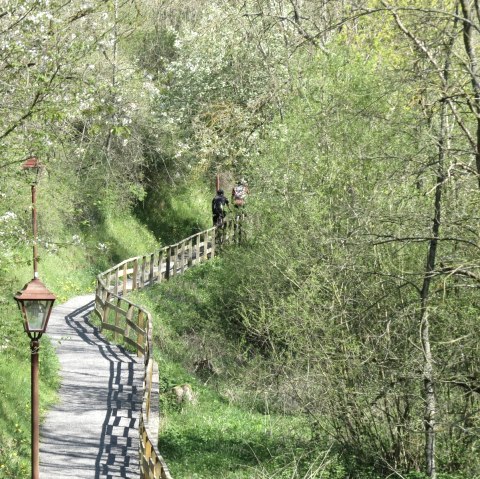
x: 92, y: 432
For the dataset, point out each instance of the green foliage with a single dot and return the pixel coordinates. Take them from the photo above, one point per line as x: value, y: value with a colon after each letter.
x: 209, y: 109
x: 326, y: 295
x: 172, y: 212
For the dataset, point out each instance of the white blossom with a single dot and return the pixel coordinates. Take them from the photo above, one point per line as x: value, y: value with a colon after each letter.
x: 9, y: 215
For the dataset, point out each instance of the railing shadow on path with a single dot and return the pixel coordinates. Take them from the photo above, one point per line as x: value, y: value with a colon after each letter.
x: 100, y: 391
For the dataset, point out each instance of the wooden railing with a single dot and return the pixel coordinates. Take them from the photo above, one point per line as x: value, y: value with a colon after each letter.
x: 132, y: 323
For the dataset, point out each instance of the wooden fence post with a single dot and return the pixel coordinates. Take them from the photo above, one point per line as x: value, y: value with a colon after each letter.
x: 148, y: 386
x: 182, y: 257
x: 175, y: 259
x: 231, y: 225
x: 205, y: 246
x: 167, y: 264
x: 189, y: 253
x: 160, y: 265
x: 129, y: 317
x: 117, y: 320
x: 141, y: 336
x: 135, y: 274
x: 213, y: 241
x: 142, y: 274
x: 197, y: 249
x: 104, y: 294
x: 106, y: 309
x: 124, y: 285
x: 152, y: 262
x: 115, y: 286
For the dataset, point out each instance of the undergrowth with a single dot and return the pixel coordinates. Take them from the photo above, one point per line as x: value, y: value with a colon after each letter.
x: 232, y: 429
x: 228, y: 430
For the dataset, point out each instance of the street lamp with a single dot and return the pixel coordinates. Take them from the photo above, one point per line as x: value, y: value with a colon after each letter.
x: 35, y: 302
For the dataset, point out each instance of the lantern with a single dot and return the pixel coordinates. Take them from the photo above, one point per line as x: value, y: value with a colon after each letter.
x: 35, y: 302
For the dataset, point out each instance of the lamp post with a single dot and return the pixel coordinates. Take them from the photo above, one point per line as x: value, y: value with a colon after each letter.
x: 35, y: 302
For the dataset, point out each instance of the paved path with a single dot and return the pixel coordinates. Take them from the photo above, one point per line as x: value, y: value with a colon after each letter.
x: 92, y: 432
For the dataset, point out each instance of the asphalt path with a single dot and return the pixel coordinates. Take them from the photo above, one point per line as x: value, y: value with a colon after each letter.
x: 92, y: 432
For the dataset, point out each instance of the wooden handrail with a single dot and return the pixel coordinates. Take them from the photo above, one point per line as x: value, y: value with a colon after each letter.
x: 133, y: 323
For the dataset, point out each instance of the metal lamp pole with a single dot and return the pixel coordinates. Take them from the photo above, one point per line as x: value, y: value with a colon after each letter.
x: 35, y: 302
x: 34, y: 227
x: 34, y: 350
x: 34, y: 343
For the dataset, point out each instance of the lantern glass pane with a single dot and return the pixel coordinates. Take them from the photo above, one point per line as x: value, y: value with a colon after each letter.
x: 36, y: 314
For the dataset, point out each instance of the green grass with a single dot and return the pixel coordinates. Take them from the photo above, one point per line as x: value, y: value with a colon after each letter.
x: 124, y: 237
x: 214, y: 438
x: 15, y: 393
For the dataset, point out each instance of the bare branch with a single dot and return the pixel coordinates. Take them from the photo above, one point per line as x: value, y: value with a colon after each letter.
x: 460, y: 272
x: 421, y: 239
x: 4, y: 165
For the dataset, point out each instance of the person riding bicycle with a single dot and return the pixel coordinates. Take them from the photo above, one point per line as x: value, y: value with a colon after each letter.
x: 218, y: 208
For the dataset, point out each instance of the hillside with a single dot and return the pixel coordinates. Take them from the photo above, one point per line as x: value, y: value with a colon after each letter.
x: 343, y: 335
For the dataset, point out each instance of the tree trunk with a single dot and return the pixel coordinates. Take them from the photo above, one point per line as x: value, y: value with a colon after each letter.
x: 442, y: 142
x: 428, y: 365
x: 468, y: 41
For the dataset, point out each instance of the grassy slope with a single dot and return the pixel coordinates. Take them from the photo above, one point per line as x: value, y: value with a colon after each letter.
x: 15, y: 403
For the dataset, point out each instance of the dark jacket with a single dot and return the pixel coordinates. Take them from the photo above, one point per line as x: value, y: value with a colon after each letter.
x: 218, y: 205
